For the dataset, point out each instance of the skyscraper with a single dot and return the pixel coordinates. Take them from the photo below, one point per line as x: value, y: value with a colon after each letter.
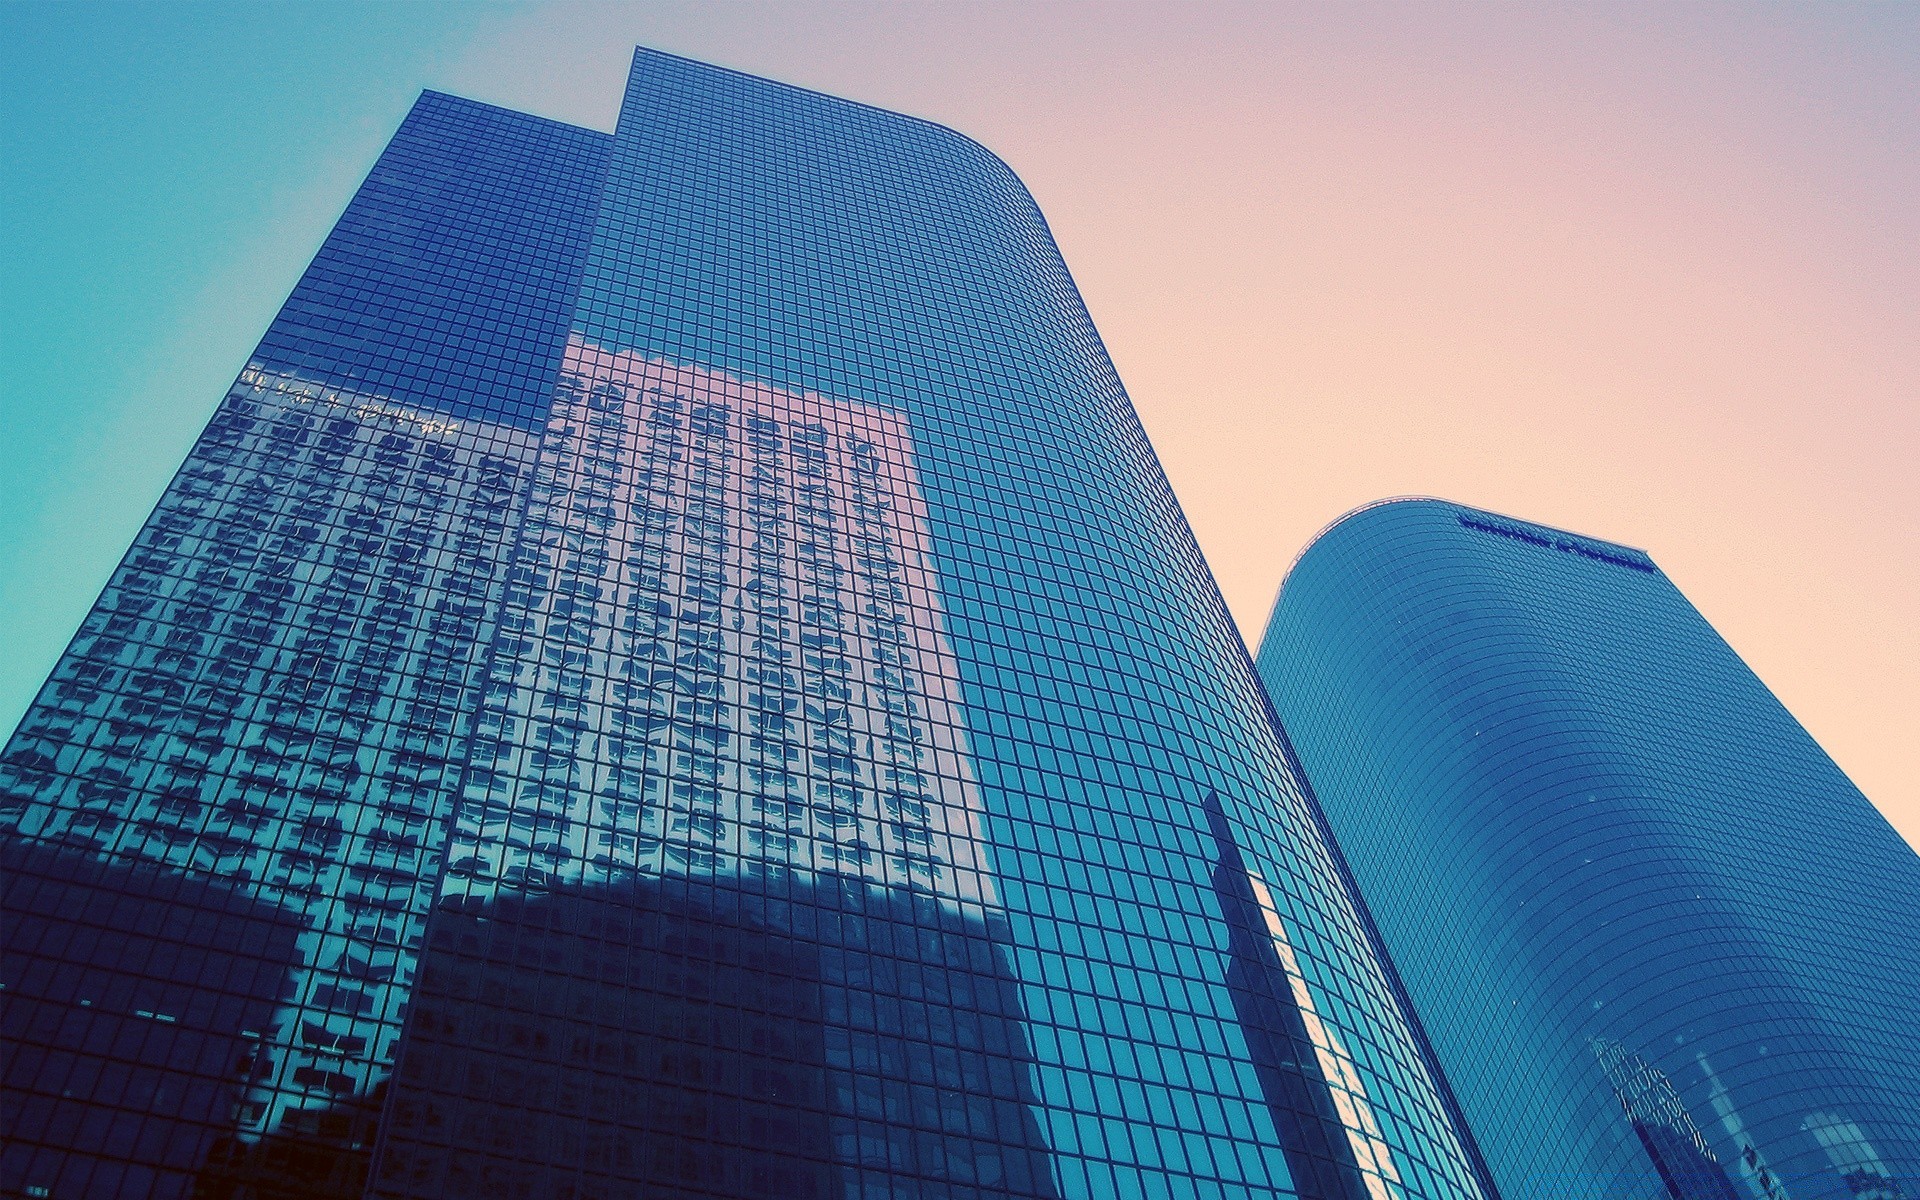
x: 675, y: 671
x: 1662, y: 946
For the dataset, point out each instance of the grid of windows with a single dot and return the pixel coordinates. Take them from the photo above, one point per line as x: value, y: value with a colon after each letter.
x: 450, y: 278
x: 843, y: 779
x: 262, y: 711
x: 1662, y: 946
x: 225, y: 814
x: 721, y: 649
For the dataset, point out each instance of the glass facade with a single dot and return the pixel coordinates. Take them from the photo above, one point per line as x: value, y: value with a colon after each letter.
x: 1662, y: 947
x: 675, y: 672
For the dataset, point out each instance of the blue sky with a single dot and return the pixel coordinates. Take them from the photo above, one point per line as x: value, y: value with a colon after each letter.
x: 1646, y: 271
x: 170, y: 169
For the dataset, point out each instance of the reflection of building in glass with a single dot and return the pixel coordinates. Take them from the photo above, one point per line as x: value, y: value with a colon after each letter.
x: 1319, y: 1108
x: 271, y: 694
x: 1867, y: 1175
x: 721, y: 650
x: 1577, y: 818
x: 696, y: 1037
x: 675, y: 671
x: 1664, y: 1126
x: 176, y: 1040
x: 838, y: 1037
x: 1760, y: 1178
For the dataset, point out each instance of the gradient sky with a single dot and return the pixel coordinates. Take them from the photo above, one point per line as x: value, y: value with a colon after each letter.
x: 1646, y: 271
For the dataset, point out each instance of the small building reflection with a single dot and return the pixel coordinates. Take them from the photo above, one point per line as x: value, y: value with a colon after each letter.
x: 1688, y: 1169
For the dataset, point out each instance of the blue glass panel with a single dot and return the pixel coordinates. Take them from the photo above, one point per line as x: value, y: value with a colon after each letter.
x: 1662, y: 946
x: 448, y: 282
x: 754, y: 723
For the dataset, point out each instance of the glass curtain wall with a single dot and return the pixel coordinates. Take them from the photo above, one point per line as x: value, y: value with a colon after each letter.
x: 795, y: 749
x: 1663, y: 947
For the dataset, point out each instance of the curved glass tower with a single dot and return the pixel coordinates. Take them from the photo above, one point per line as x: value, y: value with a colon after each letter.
x: 1662, y: 946
x: 676, y: 672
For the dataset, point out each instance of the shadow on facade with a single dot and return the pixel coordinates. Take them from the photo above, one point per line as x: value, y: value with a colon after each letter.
x: 683, y: 1038
x: 320, y: 1154
x: 134, y: 998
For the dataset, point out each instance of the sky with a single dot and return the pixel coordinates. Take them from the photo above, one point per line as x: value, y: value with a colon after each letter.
x: 1650, y: 272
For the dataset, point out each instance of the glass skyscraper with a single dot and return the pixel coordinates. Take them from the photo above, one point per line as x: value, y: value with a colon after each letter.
x: 675, y: 672
x: 1662, y: 947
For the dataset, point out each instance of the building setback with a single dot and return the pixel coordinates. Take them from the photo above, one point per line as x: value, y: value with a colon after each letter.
x: 675, y: 671
x: 1662, y: 946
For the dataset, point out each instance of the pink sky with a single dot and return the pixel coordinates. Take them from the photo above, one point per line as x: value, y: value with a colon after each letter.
x: 1645, y: 272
